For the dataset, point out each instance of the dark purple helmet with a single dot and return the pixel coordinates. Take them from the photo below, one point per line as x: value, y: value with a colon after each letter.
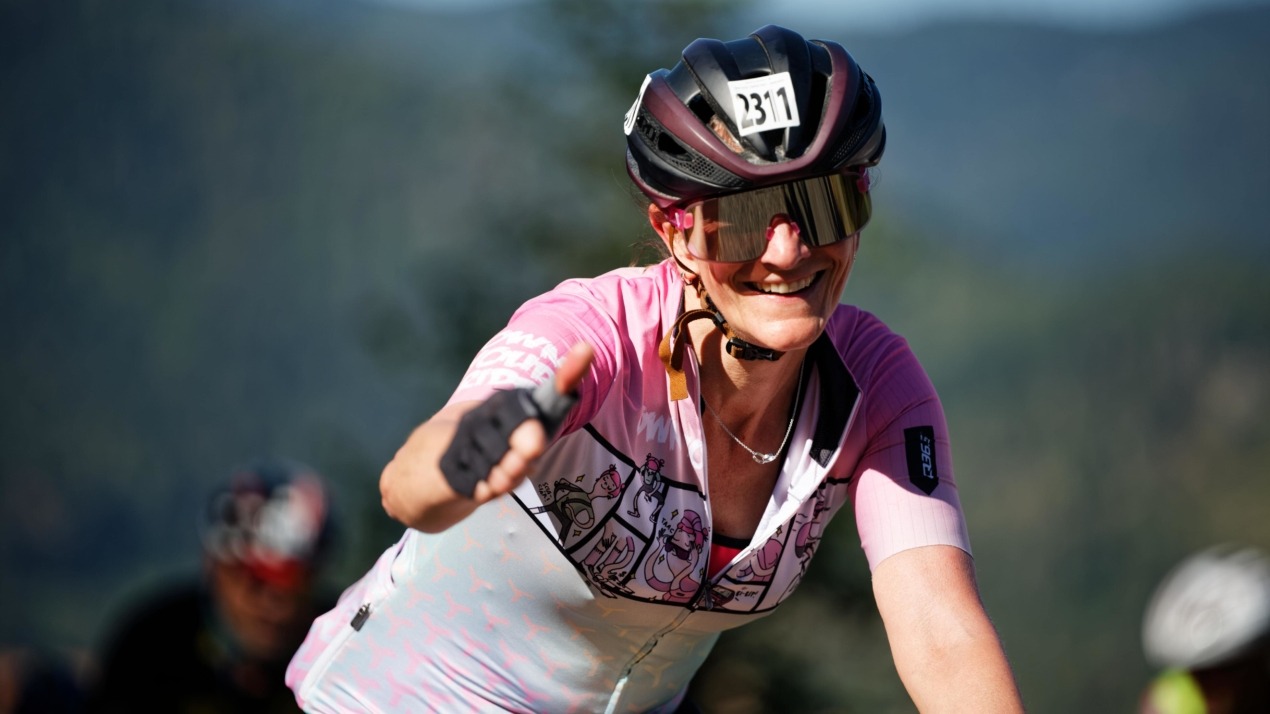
x: 273, y: 517
x: 763, y: 110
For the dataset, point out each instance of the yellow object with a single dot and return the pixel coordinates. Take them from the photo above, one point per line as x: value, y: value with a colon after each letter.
x: 1176, y: 692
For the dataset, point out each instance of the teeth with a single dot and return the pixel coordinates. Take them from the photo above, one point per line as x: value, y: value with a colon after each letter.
x: 784, y: 288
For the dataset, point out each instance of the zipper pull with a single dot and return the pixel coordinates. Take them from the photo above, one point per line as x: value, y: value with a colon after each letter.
x: 701, y: 600
x: 359, y: 619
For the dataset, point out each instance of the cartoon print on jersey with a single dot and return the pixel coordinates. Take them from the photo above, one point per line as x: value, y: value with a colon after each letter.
x: 620, y: 537
x: 746, y: 586
x: 671, y: 568
x: 807, y: 531
x: 743, y: 586
x: 720, y: 596
x: 654, y: 487
x: 761, y: 565
x: 572, y: 506
x: 608, y: 563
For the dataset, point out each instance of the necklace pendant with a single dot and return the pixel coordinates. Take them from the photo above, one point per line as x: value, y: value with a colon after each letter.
x: 761, y: 458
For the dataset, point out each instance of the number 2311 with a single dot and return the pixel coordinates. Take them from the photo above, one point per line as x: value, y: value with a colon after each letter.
x: 764, y: 103
x: 758, y: 108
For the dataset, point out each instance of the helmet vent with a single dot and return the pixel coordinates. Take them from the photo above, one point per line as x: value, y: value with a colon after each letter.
x: 816, y: 98
x: 701, y: 108
x: 860, y: 125
x: 684, y: 159
x: 667, y: 145
x: 705, y: 170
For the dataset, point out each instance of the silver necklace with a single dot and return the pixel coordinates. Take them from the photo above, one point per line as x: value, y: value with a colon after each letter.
x: 758, y: 456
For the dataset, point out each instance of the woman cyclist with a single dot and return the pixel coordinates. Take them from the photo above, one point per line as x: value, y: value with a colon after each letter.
x: 713, y: 411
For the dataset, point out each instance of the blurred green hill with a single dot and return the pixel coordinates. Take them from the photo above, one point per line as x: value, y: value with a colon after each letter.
x: 234, y: 228
x: 1074, y: 151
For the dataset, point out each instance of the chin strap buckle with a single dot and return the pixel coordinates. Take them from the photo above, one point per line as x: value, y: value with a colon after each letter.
x: 736, y: 346
x: 741, y: 349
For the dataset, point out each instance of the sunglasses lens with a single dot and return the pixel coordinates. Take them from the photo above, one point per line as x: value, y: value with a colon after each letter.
x: 733, y: 228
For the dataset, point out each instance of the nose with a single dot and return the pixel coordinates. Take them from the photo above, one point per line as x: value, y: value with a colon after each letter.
x: 785, y: 247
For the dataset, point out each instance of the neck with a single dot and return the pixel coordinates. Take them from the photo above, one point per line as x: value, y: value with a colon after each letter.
x: 743, y: 391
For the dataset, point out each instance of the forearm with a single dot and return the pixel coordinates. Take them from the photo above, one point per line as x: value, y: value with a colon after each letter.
x: 415, y: 491
x: 412, y: 488
x: 481, y: 466
x: 946, y: 650
x: 965, y: 671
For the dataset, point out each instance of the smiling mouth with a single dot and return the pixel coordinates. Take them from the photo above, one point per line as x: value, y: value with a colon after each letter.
x: 785, y: 288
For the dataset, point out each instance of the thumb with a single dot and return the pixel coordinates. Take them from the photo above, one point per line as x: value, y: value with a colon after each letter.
x: 555, y: 397
x: 574, y: 367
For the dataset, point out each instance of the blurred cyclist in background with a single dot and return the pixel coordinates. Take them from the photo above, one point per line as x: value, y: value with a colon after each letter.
x: 221, y: 644
x: 1208, y: 628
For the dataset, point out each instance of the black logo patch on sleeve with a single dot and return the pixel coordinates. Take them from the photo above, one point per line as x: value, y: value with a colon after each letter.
x: 919, y: 446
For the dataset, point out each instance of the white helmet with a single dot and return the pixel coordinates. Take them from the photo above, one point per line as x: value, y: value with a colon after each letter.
x: 1211, y: 608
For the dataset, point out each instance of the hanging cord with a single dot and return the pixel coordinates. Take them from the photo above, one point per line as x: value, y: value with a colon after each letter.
x: 671, y: 351
x: 672, y: 343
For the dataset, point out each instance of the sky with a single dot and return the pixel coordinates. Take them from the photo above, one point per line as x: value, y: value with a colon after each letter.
x: 898, y: 14
x: 1089, y: 13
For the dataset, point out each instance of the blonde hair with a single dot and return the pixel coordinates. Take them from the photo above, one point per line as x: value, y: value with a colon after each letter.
x: 725, y: 135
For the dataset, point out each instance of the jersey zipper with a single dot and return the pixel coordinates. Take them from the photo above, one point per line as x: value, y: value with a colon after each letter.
x: 360, y: 617
x: 333, y: 648
x: 644, y: 651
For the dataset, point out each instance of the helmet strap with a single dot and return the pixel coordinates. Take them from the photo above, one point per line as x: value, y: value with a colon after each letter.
x: 671, y: 349
x: 737, y: 347
x: 671, y: 352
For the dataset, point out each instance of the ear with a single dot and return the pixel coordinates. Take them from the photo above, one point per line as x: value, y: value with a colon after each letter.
x: 661, y: 223
x: 673, y: 238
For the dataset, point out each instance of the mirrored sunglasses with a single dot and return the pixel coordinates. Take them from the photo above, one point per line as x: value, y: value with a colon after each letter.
x: 736, y: 227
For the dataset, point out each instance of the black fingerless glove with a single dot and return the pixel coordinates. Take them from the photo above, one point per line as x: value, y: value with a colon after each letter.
x: 481, y: 438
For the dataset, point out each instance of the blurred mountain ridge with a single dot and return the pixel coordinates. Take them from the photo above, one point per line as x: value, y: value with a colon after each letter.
x: 1042, y: 146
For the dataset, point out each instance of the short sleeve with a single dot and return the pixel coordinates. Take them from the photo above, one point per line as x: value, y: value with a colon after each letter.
x: 531, y: 347
x: 903, y: 489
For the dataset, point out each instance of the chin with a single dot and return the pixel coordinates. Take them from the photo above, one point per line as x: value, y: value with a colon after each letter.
x: 796, y: 335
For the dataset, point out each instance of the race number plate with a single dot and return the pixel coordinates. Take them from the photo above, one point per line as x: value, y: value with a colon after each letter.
x: 763, y: 103
x: 628, y: 122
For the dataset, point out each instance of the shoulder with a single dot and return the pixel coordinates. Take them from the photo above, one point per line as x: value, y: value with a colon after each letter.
x: 165, y: 621
x: 180, y: 602
x: 868, y: 347
x: 627, y: 294
x: 620, y: 314
x: 176, y: 607
x: 891, y: 380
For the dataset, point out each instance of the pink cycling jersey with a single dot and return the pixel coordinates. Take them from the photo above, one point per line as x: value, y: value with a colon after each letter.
x: 586, y: 590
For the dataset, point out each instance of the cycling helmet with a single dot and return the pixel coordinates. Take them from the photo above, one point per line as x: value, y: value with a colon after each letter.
x: 746, y: 114
x: 754, y: 112
x: 1210, y: 609
x: 273, y: 517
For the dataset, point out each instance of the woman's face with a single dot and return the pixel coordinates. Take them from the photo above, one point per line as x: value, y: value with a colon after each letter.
x: 782, y: 299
